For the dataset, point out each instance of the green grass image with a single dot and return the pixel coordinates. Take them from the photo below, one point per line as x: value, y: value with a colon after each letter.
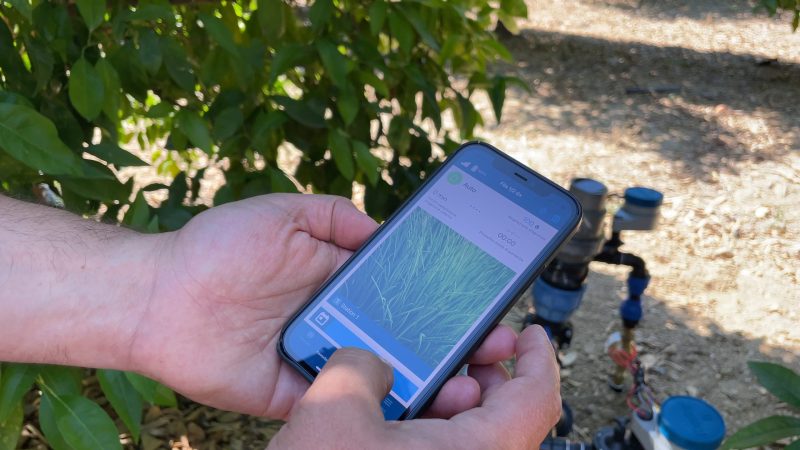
x: 426, y: 285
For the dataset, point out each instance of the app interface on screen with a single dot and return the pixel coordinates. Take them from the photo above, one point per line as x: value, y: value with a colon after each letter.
x: 425, y: 285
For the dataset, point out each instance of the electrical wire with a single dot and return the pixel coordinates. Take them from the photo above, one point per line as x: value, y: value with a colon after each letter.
x: 640, y: 398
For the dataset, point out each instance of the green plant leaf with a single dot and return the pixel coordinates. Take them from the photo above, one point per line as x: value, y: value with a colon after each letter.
x: 770, y: 5
x: 11, y: 428
x: 32, y: 139
x: 469, y: 116
x: 301, y: 111
x: 194, y: 127
x: 114, y: 154
x: 153, y: 11
x: 793, y: 446
x: 377, y: 16
x: 15, y: 76
x: 287, y: 56
x: 402, y: 31
x: 342, y: 155
x: 177, y: 64
x: 258, y: 184
x: 320, y: 14
x: 347, y: 104
x: 367, y: 162
x: 42, y: 61
x: 103, y: 190
x: 263, y: 130
x: 227, y: 123
x: 371, y: 79
x: 219, y: 32
x: 53, y: 21
x: 138, y: 216
x: 398, y: 136
x: 92, y: 12
x: 47, y: 421
x: 449, y: 48
x: 516, y: 8
x: 16, y: 380
x: 509, y: 21
x: 763, y: 432
x: 61, y: 379
x: 132, y: 74
x: 125, y: 399
x: 781, y: 381
x: 279, y: 182
x: 24, y: 8
x: 498, y: 49
x: 336, y: 65
x: 497, y: 94
x: 150, y: 52
x: 152, y: 391
x: 270, y: 19
x: 14, y: 99
x: 111, y: 88
x: 83, y: 424
x: 86, y: 89
x: 419, y: 26
x: 160, y: 111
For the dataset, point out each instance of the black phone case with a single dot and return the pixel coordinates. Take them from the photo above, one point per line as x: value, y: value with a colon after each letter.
x: 470, y: 346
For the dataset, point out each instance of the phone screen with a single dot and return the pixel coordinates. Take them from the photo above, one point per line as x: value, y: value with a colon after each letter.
x: 419, y: 290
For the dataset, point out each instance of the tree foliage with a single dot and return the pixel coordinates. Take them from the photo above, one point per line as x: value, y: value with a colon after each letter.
x: 792, y: 7
x: 233, y: 82
x: 784, y: 384
x: 368, y: 92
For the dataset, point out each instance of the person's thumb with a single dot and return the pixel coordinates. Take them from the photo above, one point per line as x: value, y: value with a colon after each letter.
x: 352, y: 382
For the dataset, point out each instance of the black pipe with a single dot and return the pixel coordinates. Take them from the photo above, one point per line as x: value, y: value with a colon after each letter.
x: 612, y: 255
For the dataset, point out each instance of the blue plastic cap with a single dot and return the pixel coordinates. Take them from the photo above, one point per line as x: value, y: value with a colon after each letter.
x: 645, y: 197
x: 589, y: 186
x: 691, y: 423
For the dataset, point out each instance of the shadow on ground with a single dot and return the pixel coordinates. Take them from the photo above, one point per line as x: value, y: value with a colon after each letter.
x: 684, y: 354
x: 691, y: 9
x: 578, y: 85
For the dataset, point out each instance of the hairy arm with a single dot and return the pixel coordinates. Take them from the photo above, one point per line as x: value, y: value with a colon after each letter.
x: 71, y: 290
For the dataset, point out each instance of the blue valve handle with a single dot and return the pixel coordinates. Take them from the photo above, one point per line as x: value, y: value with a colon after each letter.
x: 631, y: 309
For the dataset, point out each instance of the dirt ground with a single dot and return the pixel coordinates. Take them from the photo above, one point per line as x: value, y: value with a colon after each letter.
x: 722, y: 147
x: 725, y: 261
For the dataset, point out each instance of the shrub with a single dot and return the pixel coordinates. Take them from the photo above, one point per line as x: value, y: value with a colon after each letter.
x: 784, y: 384
x: 363, y: 90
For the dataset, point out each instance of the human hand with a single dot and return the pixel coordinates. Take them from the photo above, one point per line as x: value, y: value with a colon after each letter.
x: 342, y: 409
x: 227, y: 283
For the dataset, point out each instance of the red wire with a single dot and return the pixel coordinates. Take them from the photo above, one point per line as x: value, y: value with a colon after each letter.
x: 629, y: 362
x: 623, y: 358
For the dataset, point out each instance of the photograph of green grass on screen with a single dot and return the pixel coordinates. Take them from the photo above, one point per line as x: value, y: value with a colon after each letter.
x: 426, y: 285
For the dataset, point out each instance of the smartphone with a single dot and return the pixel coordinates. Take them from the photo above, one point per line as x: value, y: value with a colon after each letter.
x: 438, y: 275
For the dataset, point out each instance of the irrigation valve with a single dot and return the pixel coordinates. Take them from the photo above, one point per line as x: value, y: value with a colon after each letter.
x: 559, y: 291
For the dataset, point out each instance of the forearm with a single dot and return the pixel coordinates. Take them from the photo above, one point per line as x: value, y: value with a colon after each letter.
x: 71, y: 290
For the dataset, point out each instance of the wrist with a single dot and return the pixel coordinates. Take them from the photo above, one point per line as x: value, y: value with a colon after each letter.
x: 72, y: 296
x: 123, y: 278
